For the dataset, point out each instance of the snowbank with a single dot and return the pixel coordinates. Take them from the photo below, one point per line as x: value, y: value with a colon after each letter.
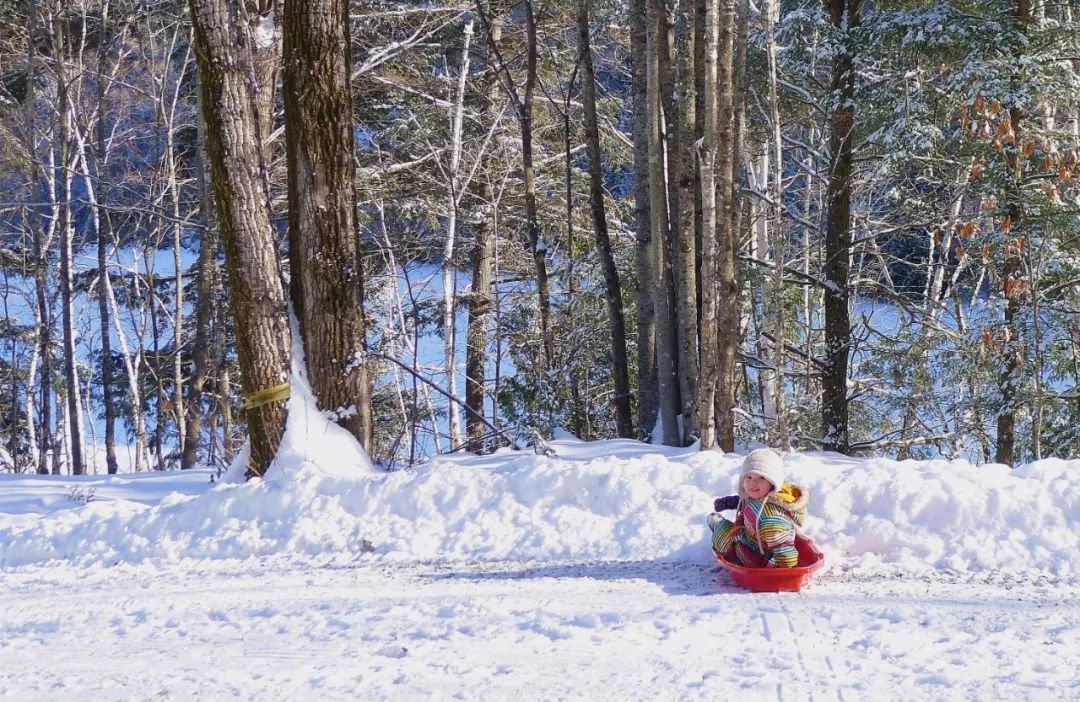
x: 619, y: 500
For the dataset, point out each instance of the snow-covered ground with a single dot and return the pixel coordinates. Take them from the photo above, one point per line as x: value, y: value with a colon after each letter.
x: 584, y: 575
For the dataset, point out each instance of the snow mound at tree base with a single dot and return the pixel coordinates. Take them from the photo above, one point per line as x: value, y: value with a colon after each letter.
x: 606, y: 500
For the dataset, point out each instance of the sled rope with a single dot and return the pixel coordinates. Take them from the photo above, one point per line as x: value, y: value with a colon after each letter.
x: 266, y: 396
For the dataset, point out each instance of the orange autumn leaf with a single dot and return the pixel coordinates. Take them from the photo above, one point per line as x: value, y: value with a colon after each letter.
x: 1006, y: 224
x: 986, y: 253
x: 979, y: 104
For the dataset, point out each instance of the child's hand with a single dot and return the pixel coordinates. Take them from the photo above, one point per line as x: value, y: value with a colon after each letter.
x: 729, y: 502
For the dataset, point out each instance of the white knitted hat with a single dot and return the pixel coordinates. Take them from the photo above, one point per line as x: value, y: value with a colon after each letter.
x: 766, y: 463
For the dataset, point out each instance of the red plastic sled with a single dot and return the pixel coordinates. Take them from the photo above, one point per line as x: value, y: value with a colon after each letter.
x: 778, y: 579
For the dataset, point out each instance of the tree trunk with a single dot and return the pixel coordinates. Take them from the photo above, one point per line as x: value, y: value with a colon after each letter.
x: 155, y: 366
x: 612, y: 289
x: 578, y: 413
x: 480, y: 305
x: 204, y: 309
x: 225, y: 52
x: 739, y: 112
x: 686, y: 225
x: 727, y: 288
x: 666, y: 350
x: 40, y: 247
x: 66, y: 230
x: 648, y: 399
x: 327, y: 275
x: 524, y: 107
x: 480, y: 302
x: 532, y: 217
x: 223, y: 381
x: 457, y: 113
x: 709, y: 361
x: 104, y: 235
x: 759, y: 169
x: 776, y: 192
x: 178, y: 277
x: 845, y: 16
x: 1012, y: 354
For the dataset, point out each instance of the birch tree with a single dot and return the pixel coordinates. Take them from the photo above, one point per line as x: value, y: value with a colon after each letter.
x: 449, y: 282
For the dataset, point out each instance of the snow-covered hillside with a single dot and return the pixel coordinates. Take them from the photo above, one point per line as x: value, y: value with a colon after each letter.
x: 582, y: 575
x: 609, y: 500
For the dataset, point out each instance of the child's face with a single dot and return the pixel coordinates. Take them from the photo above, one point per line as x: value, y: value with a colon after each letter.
x: 755, y: 486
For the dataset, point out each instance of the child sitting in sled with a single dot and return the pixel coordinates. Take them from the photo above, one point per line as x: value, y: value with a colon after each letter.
x: 768, y: 511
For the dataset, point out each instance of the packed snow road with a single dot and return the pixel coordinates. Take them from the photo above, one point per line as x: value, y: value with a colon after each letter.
x: 632, y: 630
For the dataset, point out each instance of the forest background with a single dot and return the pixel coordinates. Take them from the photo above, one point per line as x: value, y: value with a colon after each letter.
x: 841, y: 225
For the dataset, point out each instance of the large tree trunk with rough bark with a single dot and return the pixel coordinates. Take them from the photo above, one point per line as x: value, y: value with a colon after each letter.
x: 648, y: 398
x: 327, y: 277
x: 663, y: 302
x: 224, y: 48
x: 612, y: 289
x: 727, y: 311
x: 708, y: 364
x: 845, y: 15
x: 684, y: 259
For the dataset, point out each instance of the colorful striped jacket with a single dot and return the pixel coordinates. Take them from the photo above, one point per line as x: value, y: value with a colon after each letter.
x: 763, y: 533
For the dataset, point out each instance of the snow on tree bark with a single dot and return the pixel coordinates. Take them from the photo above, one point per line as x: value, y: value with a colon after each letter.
x: 327, y: 281
x: 224, y: 51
